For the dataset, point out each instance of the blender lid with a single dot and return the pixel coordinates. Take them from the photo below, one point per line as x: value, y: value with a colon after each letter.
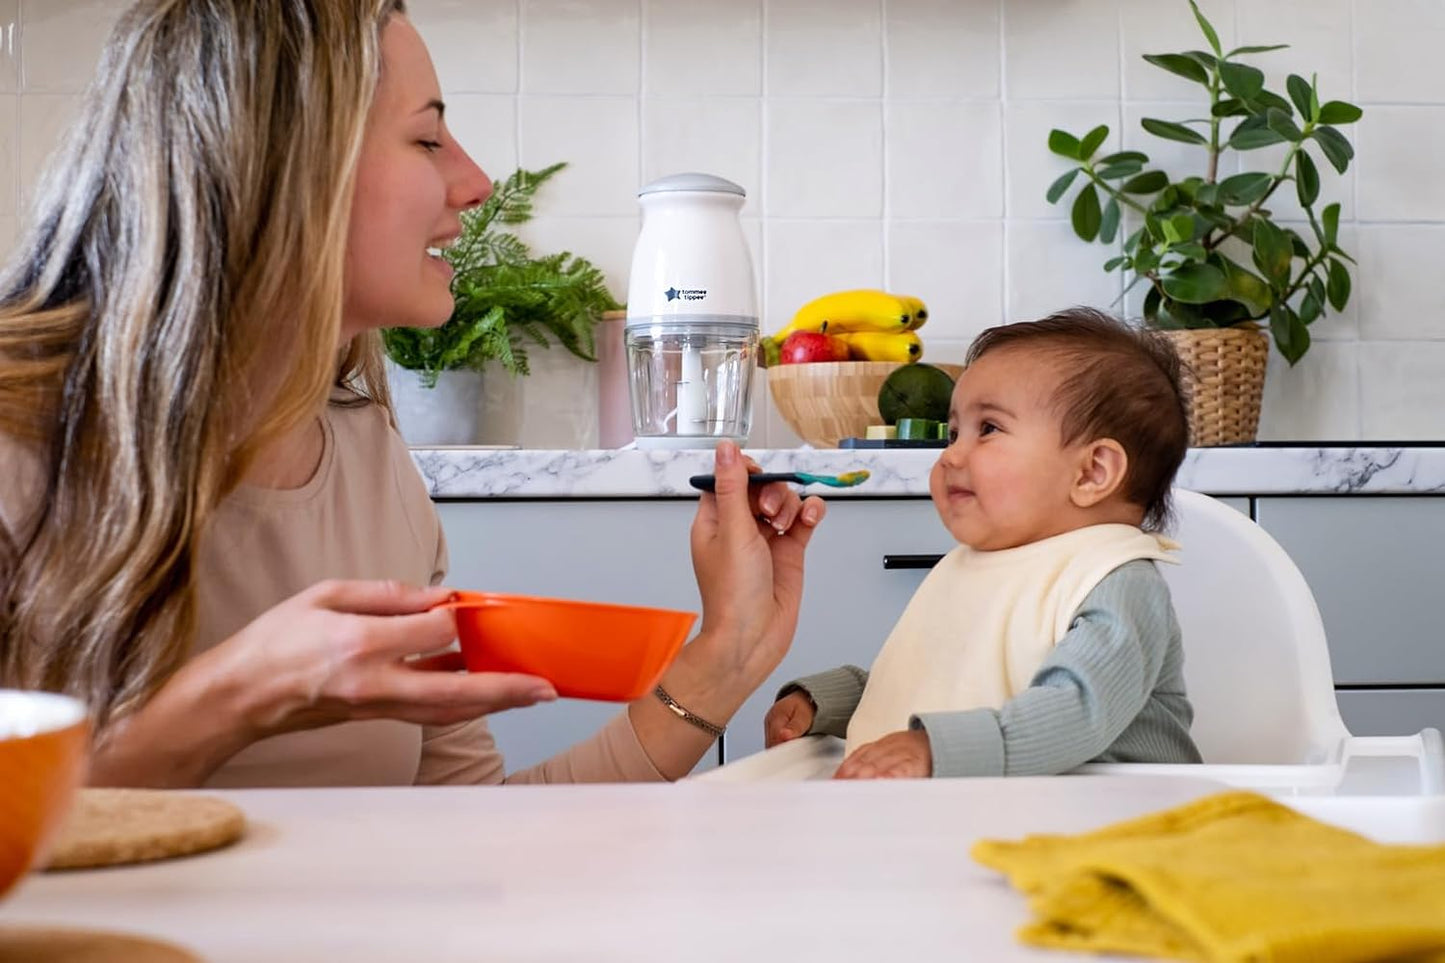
x: 692, y: 182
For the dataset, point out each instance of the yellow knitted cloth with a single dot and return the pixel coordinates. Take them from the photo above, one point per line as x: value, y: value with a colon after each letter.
x: 1235, y: 876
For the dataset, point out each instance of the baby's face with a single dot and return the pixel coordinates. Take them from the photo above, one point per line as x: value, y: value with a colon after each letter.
x: 1005, y: 478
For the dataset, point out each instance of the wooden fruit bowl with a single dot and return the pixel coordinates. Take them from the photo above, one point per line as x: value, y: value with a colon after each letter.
x: 826, y: 401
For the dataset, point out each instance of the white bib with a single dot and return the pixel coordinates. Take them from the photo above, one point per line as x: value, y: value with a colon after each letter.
x: 981, y: 624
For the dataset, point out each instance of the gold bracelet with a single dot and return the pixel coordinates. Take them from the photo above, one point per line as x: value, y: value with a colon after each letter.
x: 682, y: 713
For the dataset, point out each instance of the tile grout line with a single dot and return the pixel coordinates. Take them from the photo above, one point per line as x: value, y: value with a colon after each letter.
x: 517, y: 102
x: 885, y: 208
x: 1005, y: 181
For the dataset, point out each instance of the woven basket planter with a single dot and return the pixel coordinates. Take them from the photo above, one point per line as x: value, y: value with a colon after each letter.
x: 1223, y: 380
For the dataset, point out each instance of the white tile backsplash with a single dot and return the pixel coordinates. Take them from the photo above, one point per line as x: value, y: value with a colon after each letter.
x: 1319, y: 39
x: 959, y: 264
x: 1317, y: 398
x: 1058, y: 49
x: 943, y: 48
x: 1151, y: 27
x: 1044, y: 275
x: 473, y: 43
x: 1397, y: 51
x: 486, y: 127
x: 703, y: 47
x: 945, y: 159
x: 580, y: 46
x: 831, y: 48
x: 44, y: 118
x: 9, y: 154
x: 903, y: 143
x: 1397, y: 152
x: 10, y: 46
x: 1402, y: 389
x: 824, y: 158
x: 597, y: 137
x: 9, y: 228
x: 716, y: 135
x: 806, y: 258
x: 62, y: 42
x: 1400, y: 298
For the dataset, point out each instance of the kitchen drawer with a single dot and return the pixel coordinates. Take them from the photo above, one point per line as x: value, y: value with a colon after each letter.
x: 1373, y: 564
x: 1392, y: 712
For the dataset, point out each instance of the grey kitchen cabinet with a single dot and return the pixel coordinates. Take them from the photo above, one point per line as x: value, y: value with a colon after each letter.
x: 1392, y: 712
x: 636, y: 552
x: 1374, y: 566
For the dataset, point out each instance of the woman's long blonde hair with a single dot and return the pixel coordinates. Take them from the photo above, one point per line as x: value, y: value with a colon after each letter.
x: 173, y: 308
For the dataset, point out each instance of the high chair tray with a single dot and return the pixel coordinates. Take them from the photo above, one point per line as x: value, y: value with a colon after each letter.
x: 1390, y: 788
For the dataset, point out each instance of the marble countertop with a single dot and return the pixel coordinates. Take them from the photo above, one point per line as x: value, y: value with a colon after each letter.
x: 460, y: 473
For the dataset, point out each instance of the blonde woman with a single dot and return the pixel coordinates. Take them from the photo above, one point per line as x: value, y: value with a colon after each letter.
x: 209, y: 529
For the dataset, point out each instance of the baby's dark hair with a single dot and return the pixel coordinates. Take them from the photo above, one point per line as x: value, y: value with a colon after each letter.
x: 1119, y: 381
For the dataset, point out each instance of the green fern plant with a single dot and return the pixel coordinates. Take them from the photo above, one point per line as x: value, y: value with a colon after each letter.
x: 1209, y: 249
x: 505, y: 298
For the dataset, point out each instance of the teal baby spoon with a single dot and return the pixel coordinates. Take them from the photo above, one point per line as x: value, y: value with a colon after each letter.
x: 848, y: 479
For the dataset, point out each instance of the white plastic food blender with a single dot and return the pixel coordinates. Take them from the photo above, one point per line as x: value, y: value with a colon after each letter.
x: 692, y: 317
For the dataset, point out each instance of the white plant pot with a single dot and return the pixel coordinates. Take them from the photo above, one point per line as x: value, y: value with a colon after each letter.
x: 553, y: 407
x: 444, y: 415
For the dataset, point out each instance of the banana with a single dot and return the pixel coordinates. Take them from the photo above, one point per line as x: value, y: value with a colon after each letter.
x: 844, y: 311
x: 901, y: 346
x: 918, y: 309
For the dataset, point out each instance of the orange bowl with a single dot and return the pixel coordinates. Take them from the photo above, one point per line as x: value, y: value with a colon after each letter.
x: 587, y: 650
x: 43, y: 740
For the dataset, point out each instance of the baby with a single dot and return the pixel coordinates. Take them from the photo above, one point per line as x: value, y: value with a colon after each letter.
x: 1047, y: 638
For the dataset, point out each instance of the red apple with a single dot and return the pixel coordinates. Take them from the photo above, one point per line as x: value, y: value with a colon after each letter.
x: 805, y: 346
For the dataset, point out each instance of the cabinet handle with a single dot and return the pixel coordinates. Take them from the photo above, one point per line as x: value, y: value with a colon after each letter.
x: 911, y: 561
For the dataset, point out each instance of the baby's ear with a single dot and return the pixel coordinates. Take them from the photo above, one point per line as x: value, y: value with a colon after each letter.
x: 1103, y: 464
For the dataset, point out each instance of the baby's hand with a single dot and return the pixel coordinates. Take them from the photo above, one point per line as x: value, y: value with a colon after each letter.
x: 898, y: 755
x: 790, y: 717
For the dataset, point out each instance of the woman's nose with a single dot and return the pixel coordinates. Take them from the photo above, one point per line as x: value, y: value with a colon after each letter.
x: 470, y: 186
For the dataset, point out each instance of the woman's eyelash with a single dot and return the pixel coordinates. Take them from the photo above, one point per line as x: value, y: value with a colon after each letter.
x: 431, y: 145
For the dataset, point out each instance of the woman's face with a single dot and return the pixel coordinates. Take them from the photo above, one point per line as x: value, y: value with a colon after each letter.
x: 412, y: 182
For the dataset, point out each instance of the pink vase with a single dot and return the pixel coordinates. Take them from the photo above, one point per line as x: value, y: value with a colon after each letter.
x: 614, y: 401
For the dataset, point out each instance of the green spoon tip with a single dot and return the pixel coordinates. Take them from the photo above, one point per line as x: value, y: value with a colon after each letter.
x: 850, y: 478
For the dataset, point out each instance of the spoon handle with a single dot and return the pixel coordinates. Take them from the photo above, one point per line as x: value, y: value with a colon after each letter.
x: 707, y: 483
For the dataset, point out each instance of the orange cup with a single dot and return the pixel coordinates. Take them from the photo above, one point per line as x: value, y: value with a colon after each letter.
x: 587, y: 650
x: 43, y: 742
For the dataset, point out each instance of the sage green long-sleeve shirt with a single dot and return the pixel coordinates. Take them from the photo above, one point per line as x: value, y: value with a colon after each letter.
x: 1112, y: 690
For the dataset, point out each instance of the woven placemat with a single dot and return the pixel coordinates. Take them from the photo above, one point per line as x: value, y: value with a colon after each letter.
x: 36, y: 944
x: 111, y: 827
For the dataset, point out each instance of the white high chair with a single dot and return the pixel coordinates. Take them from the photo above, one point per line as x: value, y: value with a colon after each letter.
x: 1257, y: 670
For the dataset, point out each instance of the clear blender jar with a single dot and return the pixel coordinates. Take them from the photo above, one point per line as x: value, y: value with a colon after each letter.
x: 692, y: 322
x: 691, y: 382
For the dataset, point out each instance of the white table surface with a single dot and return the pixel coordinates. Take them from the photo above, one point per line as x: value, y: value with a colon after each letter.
x: 689, y: 872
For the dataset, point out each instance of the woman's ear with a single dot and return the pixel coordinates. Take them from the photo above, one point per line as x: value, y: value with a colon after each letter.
x: 1102, y: 467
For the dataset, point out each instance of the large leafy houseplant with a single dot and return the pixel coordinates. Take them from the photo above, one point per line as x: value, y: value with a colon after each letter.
x: 505, y: 297
x: 1211, y: 252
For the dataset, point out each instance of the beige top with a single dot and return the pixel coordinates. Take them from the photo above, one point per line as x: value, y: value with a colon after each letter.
x: 981, y: 624
x: 365, y: 514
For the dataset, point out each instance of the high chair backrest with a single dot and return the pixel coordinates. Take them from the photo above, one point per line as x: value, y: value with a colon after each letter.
x: 1255, y: 660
